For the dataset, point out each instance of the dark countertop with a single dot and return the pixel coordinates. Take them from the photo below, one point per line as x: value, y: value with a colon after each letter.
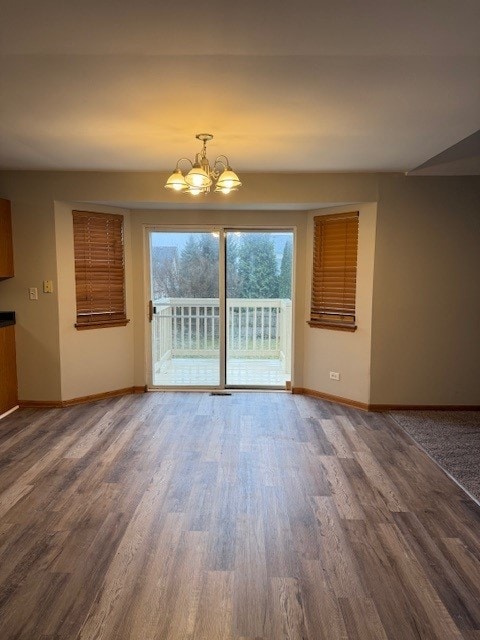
x: 7, y: 318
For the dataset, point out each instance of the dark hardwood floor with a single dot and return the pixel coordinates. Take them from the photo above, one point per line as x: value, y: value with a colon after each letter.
x: 252, y: 516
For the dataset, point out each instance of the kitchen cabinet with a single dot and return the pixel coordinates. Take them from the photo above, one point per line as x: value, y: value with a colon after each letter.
x: 8, y: 367
x: 6, y: 244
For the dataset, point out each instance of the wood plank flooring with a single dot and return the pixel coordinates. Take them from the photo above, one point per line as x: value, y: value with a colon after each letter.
x: 246, y: 517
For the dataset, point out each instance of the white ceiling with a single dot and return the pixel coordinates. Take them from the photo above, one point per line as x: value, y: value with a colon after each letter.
x: 376, y: 85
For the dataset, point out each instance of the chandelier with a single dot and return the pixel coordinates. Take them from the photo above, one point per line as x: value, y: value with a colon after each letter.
x: 202, y: 176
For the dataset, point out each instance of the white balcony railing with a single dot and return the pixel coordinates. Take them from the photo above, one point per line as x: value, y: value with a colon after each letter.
x: 184, y: 327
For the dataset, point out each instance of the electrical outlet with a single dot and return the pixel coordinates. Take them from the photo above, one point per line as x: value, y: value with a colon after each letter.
x: 33, y: 293
x: 334, y: 375
x: 48, y: 286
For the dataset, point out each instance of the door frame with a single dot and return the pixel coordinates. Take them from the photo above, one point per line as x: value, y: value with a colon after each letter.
x: 221, y: 229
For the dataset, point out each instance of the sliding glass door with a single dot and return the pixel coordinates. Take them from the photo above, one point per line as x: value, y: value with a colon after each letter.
x: 185, y: 309
x: 221, y: 308
x: 258, y: 308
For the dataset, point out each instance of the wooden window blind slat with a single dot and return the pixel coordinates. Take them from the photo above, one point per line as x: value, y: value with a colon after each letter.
x: 334, y: 278
x: 99, y: 269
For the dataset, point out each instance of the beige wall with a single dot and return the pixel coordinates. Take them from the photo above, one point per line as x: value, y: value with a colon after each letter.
x: 340, y: 351
x: 97, y: 360
x: 425, y: 327
x: 33, y: 194
x: 275, y: 190
x: 426, y: 311
x: 37, y: 343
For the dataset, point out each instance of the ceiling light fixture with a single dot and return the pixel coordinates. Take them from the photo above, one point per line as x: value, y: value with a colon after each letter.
x: 202, y: 176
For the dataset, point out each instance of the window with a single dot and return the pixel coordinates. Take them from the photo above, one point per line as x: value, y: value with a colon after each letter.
x: 334, y: 275
x: 99, y: 270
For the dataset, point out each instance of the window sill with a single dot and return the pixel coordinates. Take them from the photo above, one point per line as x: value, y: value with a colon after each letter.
x: 332, y: 326
x: 100, y: 325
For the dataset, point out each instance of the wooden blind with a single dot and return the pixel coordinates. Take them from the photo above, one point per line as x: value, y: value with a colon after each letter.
x: 334, y: 270
x: 99, y: 269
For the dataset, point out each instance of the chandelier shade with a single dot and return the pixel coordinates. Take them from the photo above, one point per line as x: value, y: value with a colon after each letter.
x: 198, y: 177
x: 228, y: 180
x: 201, y: 175
x: 176, y: 182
